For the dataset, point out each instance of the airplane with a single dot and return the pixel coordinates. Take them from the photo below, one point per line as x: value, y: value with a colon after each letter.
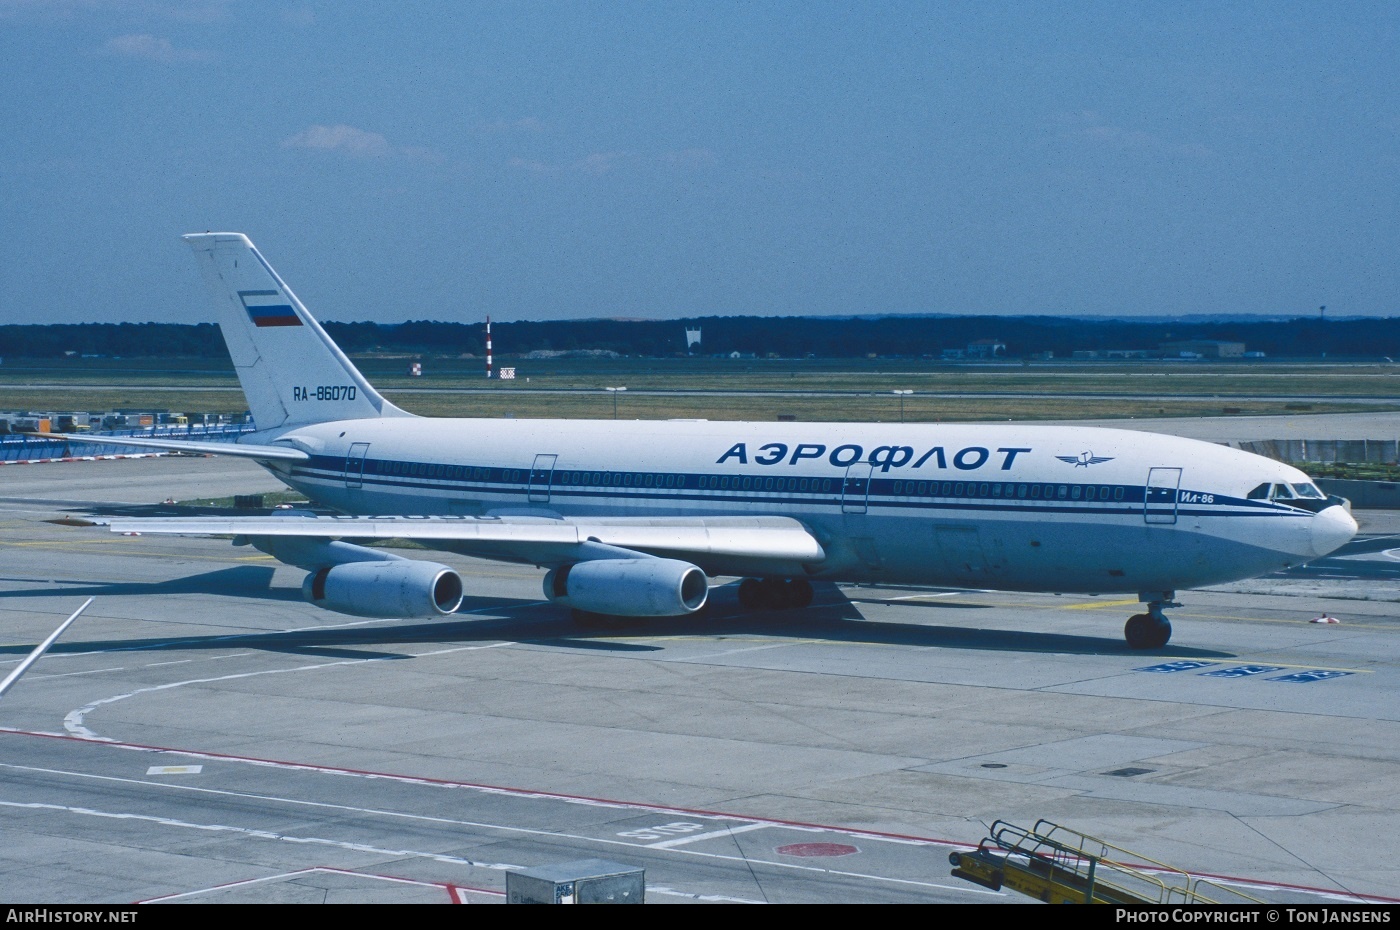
x: 633, y: 518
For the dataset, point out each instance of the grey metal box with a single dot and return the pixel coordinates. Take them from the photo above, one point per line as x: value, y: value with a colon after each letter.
x: 585, y: 881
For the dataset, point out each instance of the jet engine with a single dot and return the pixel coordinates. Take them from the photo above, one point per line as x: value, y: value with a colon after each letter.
x: 629, y: 587
x: 397, y: 588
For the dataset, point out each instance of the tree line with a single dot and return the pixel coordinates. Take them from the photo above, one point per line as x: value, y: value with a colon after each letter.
x: 788, y: 337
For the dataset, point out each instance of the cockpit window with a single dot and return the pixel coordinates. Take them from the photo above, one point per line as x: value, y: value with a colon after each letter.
x: 1304, y: 495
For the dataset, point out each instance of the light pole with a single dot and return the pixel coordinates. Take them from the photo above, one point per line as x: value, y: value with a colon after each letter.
x: 901, y: 402
x: 614, y: 392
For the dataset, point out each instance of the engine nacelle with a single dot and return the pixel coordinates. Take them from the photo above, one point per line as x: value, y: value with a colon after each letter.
x: 629, y: 587
x: 398, y: 588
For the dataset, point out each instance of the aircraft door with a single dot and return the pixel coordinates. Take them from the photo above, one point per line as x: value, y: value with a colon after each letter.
x: 855, y: 490
x: 541, y: 476
x: 355, y: 465
x: 1159, y: 498
x: 960, y: 548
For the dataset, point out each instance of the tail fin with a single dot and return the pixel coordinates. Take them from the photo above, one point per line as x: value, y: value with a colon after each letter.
x: 290, y: 370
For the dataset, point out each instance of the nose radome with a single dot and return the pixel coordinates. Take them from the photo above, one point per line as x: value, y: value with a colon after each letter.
x: 1332, y: 529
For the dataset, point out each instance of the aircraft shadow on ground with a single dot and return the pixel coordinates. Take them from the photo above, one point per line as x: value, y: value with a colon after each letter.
x: 832, y: 617
x: 250, y: 581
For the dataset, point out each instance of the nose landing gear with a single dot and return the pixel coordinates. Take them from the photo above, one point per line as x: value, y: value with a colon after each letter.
x: 1151, y: 630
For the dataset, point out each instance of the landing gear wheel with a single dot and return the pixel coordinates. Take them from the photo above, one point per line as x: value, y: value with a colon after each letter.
x: 774, y: 593
x: 1143, y: 631
x: 799, y: 592
x: 752, y: 593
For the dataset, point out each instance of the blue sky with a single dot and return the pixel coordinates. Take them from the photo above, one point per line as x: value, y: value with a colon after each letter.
x: 548, y: 160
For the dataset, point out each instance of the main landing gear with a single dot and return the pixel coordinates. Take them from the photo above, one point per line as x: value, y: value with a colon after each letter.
x: 773, y: 593
x: 1150, y: 630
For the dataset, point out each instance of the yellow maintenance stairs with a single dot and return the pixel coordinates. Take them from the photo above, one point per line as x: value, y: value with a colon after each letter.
x: 1058, y: 865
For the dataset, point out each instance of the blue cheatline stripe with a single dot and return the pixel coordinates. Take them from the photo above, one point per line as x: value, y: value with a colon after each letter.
x: 435, y: 476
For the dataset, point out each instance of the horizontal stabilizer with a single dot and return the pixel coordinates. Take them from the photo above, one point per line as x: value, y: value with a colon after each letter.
x: 242, y: 450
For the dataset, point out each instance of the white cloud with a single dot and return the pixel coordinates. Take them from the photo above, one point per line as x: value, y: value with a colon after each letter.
x: 600, y: 162
x: 1098, y: 131
x: 341, y: 138
x: 182, y: 11
x: 534, y: 166
x: 597, y: 163
x: 152, y: 48
x: 525, y: 124
x: 690, y: 158
x: 360, y: 143
x: 301, y: 16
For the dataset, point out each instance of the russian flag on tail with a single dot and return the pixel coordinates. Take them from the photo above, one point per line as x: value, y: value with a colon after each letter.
x: 265, y: 308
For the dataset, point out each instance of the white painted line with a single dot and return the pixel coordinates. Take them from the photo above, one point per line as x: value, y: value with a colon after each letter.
x: 875, y: 599
x: 95, y: 671
x: 322, y: 870
x: 453, y: 860
x: 73, y: 722
x: 919, y: 597
x: 262, y: 834
x: 683, y: 840
x: 735, y: 652
x: 458, y: 860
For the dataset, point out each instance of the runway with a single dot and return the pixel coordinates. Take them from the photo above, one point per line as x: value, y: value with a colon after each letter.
x: 202, y: 735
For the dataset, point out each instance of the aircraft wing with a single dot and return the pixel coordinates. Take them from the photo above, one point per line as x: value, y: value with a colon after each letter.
x: 542, y: 540
x: 241, y: 450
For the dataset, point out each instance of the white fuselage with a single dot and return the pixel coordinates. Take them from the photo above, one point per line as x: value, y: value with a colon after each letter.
x: 1050, y: 508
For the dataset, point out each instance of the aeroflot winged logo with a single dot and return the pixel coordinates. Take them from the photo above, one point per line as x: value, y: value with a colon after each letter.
x: 1084, y: 459
x: 265, y: 308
